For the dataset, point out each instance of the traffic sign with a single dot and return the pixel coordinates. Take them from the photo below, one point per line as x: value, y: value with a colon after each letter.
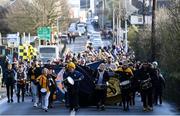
x: 44, y: 33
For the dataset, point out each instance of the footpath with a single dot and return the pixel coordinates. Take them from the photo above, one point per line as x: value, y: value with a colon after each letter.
x: 2, y: 92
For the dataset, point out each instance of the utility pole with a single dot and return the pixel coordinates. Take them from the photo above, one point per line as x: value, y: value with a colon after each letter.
x: 86, y: 10
x: 119, y: 25
x: 144, y: 13
x: 153, y: 33
x: 126, y: 28
x: 103, y: 7
x: 113, y: 21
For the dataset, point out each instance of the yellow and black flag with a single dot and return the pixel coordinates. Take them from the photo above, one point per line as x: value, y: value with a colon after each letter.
x: 23, y: 53
x: 27, y: 52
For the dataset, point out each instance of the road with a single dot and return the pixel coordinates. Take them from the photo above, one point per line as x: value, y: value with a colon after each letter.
x: 27, y: 108
x: 80, y: 44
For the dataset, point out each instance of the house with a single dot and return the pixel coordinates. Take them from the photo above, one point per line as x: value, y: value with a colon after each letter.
x: 137, y: 18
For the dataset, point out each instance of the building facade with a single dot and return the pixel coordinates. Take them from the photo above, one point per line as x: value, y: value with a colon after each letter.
x: 75, y: 8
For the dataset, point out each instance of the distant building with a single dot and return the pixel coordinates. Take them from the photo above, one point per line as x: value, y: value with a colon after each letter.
x: 84, y: 4
x: 75, y: 8
x: 137, y: 18
x: 163, y: 3
x: 101, y: 13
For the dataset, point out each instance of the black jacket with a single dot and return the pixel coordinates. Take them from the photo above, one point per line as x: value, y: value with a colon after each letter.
x: 105, y: 77
x: 9, y: 77
x: 76, y: 76
x: 146, y: 74
x: 36, y: 72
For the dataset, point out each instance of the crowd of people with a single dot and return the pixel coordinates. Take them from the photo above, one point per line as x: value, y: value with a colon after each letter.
x: 39, y: 80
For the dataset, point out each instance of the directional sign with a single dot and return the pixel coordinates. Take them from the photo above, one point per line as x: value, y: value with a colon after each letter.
x: 44, y: 33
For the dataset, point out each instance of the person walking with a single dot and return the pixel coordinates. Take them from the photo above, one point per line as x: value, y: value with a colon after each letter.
x: 125, y: 77
x: 21, y: 83
x: 72, y: 85
x: 52, y: 85
x: 44, y: 91
x: 158, y: 85
x: 101, y: 78
x: 33, y: 73
x: 9, y: 78
x: 146, y: 86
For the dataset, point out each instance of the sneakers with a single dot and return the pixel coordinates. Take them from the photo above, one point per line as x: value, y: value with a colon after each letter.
x: 12, y: 100
x: 150, y: 108
x: 145, y: 109
x: 72, y: 112
x: 35, y: 105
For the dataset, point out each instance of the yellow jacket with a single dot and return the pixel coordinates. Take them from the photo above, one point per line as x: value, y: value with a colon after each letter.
x: 128, y: 70
x: 43, y: 81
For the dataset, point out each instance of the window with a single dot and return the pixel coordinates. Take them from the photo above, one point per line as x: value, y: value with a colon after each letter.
x: 47, y: 50
x: 140, y: 19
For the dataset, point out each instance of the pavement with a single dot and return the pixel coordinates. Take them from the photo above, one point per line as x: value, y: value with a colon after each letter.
x: 2, y: 89
x: 2, y: 92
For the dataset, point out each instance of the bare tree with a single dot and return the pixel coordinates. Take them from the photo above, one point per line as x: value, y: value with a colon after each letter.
x: 25, y: 16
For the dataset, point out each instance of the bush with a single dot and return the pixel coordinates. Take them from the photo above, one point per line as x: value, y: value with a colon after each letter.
x: 172, y: 90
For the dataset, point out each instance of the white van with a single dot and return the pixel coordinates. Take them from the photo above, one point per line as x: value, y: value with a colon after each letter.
x: 48, y: 52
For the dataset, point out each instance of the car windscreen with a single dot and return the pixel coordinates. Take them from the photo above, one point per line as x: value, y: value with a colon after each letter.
x: 47, y: 50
